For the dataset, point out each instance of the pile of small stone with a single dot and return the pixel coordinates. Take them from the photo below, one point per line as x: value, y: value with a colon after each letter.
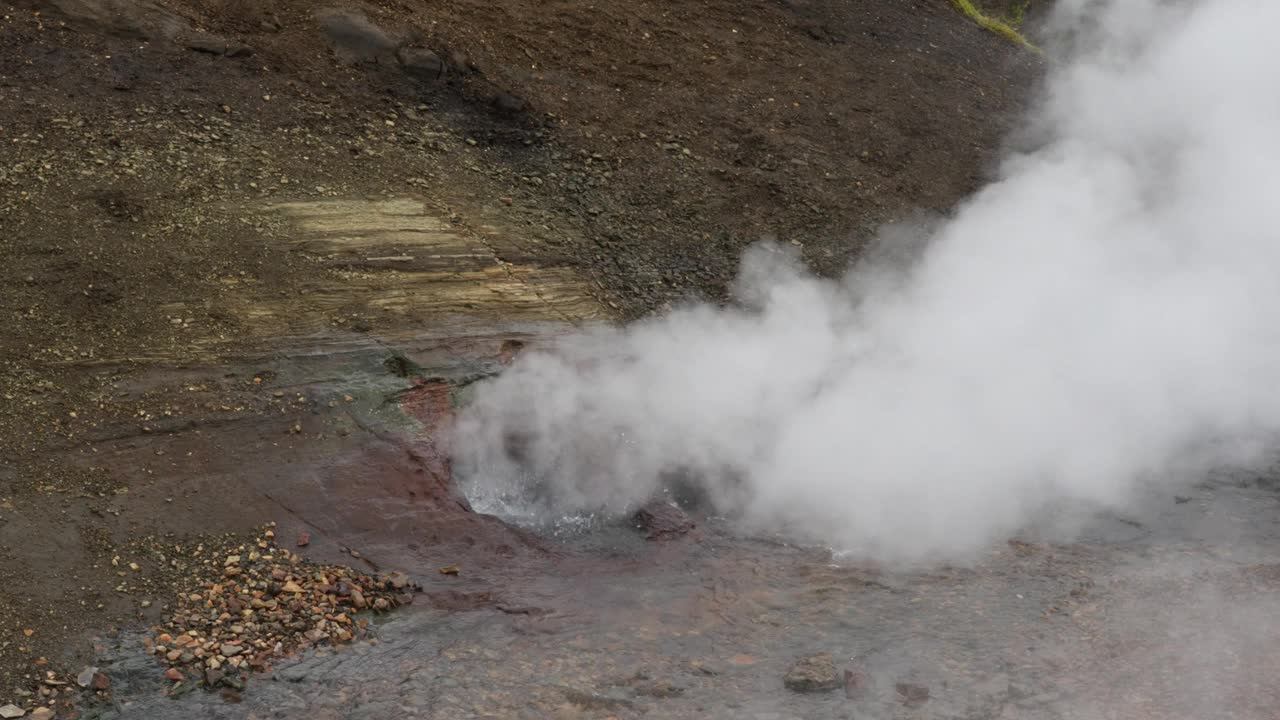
x: 252, y: 603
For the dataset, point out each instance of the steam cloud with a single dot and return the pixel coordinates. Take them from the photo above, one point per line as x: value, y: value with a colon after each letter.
x: 1105, y: 315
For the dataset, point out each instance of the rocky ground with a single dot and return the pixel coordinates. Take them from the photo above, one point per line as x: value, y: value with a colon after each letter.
x: 217, y: 304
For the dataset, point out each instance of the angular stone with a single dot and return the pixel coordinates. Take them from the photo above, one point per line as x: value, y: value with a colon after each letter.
x: 912, y: 694
x: 214, y: 45
x: 856, y: 684
x: 421, y: 63
x: 816, y: 673
x: 662, y: 521
x: 354, y: 35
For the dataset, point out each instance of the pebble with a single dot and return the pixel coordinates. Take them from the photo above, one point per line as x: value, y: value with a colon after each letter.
x: 273, y: 602
x: 912, y: 694
x: 12, y: 711
x: 856, y: 684
x: 42, y: 713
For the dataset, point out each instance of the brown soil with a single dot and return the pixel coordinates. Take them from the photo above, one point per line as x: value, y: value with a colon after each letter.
x: 183, y: 360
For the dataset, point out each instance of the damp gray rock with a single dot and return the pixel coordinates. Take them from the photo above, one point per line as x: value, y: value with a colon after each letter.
x: 215, y: 45
x: 136, y: 19
x: 356, y: 37
x: 816, y: 673
x: 661, y: 520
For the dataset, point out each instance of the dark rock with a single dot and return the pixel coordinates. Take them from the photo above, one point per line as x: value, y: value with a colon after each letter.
x: 231, y: 697
x: 100, y: 682
x: 505, y: 102
x: 660, y: 689
x: 856, y: 684
x: 912, y: 694
x: 234, y: 681
x: 214, y: 45
x: 421, y: 63
x: 593, y: 701
x: 462, y: 63
x: 662, y: 521
x: 813, y: 674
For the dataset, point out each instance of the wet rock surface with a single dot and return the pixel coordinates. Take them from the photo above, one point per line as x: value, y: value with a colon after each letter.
x: 135, y: 19
x: 663, y: 520
x: 1176, y: 625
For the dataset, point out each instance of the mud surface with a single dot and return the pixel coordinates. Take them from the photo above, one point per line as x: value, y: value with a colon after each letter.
x: 1168, y: 614
x: 247, y: 245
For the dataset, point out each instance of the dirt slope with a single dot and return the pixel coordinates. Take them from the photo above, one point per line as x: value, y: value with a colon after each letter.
x: 599, y: 159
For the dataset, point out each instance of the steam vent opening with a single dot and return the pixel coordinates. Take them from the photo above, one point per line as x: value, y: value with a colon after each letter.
x: 723, y: 360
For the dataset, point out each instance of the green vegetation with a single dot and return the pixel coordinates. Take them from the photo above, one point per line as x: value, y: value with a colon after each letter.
x: 1007, y: 30
x: 1018, y: 12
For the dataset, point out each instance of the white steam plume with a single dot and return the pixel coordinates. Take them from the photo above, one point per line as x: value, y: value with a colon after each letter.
x: 1106, y: 314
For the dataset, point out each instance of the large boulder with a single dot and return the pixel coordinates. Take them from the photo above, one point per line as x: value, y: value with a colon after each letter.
x: 356, y: 38
x: 135, y: 19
